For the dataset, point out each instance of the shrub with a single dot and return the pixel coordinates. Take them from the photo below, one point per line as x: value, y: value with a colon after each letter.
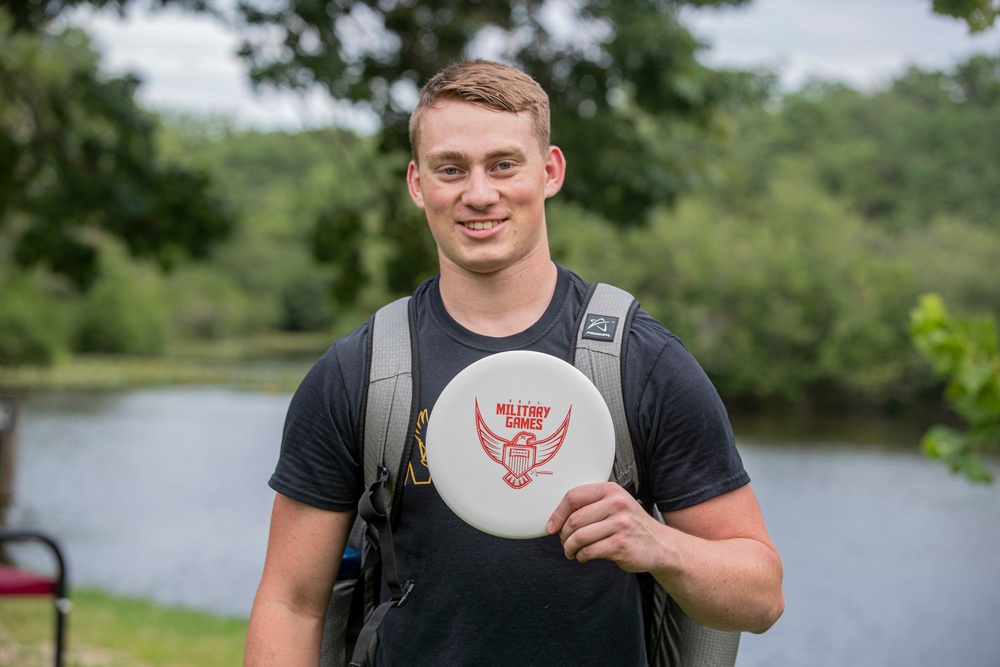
x: 125, y: 312
x: 33, y: 327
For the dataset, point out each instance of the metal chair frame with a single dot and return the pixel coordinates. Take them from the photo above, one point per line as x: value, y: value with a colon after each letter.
x: 42, y: 584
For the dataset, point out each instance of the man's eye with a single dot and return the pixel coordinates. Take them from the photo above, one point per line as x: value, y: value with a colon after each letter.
x: 450, y: 171
x: 505, y: 165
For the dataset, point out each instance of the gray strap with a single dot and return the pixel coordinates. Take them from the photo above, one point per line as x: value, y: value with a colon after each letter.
x: 677, y: 641
x: 390, y: 395
x: 600, y: 360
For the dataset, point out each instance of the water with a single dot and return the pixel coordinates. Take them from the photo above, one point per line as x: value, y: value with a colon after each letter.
x: 154, y: 493
x: 889, y: 560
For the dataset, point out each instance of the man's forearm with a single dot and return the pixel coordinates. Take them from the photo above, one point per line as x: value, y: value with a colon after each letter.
x: 279, y: 636
x: 732, y: 584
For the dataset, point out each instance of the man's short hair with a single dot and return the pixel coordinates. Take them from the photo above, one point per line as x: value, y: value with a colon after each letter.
x: 488, y: 84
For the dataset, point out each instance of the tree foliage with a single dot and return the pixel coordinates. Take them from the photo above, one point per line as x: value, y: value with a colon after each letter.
x: 918, y: 150
x: 791, y: 273
x: 965, y: 353
x: 605, y: 65
x: 37, y: 15
x: 78, y: 160
x: 977, y: 14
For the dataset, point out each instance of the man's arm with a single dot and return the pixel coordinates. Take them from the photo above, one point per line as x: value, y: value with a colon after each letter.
x: 715, y: 558
x: 303, y: 554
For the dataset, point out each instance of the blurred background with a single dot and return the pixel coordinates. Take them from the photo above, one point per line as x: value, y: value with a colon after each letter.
x: 197, y: 197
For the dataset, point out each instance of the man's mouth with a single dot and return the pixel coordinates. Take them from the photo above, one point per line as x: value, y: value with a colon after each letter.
x: 481, y: 225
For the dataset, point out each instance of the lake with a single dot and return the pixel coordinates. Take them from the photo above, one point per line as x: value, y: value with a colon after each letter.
x: 889, y: 560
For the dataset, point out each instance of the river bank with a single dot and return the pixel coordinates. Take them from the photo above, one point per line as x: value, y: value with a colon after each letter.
x: 272, y: 362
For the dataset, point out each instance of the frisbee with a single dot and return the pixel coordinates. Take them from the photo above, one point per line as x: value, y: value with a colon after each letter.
x: 511, y: 434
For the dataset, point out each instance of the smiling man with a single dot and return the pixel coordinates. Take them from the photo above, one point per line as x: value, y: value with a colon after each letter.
x: 482, y: 170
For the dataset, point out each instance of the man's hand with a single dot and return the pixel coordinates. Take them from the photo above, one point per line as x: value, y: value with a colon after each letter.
x: 715, y: 559
x: 605, y: 521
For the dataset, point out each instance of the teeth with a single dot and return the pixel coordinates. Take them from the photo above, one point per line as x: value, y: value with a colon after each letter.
x: 480, y: 226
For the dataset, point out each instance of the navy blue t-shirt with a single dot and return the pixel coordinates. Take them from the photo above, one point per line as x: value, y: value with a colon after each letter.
x: 484, y: 600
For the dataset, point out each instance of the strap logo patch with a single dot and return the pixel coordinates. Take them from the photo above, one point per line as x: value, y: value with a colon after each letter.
x: 600, y: 327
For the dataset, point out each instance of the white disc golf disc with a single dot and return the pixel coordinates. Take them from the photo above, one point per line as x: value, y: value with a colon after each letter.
x: 511, y: 434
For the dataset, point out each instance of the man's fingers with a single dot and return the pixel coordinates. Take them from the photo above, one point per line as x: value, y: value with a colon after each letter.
x: 575, y: 498
x: 602, y: 521
x: 581, y: 542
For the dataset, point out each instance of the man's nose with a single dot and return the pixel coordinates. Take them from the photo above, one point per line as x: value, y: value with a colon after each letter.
x: 480, y: 191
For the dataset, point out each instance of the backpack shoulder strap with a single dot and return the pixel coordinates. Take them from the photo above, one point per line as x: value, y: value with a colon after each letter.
x: 385, y: 433
x: 389, y: 399
x: 599, y: 352
x: 672, y: 638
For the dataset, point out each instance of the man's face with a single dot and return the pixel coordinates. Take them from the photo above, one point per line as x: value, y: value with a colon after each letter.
x: 482, y: 179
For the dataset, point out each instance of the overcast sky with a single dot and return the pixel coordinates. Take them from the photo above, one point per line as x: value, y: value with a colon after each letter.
x: 187, y: 63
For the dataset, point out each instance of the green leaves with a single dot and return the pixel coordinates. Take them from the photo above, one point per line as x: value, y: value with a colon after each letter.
x: 964, y: 352
x: 978, y: 14
x: 80, y: 162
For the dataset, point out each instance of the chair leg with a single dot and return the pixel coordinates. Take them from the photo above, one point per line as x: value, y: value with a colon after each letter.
x: 60, y: 586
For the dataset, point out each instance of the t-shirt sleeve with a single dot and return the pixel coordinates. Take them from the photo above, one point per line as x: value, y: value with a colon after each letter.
x: 320, y: 463
x: 680, y: 425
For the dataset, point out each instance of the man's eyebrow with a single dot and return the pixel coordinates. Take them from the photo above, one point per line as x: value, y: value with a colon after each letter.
x: 441, y: 157
x: 446, y: 156
x: 511, y: 151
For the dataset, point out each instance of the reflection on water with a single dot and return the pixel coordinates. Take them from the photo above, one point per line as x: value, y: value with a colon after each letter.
x: 888, y: 559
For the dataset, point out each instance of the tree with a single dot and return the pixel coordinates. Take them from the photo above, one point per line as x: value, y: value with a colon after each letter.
x: 78, y: 160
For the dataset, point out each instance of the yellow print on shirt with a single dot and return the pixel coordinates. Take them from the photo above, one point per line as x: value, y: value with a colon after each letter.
x: 421, y: 475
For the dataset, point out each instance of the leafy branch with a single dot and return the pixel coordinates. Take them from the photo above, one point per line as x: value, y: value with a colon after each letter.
x: 965, y: 352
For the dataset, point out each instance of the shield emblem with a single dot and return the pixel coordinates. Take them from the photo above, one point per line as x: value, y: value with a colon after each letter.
x: 518, y: 459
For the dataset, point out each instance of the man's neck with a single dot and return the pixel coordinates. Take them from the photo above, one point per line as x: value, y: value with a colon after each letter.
x: 499, y: 304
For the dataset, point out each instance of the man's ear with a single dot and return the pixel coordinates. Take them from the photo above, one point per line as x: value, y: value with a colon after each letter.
x: 555, y: 171
x: 413, y: 184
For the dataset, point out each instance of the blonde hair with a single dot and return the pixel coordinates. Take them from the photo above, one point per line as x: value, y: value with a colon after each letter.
x: 487, y: 84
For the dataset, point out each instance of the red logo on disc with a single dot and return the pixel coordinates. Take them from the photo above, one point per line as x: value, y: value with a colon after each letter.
x: 522, y: 453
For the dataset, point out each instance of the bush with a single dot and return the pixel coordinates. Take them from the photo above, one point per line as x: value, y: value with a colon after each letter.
x: 306, y: 304
x: 125, y: 312
x: 208, y: 304
x: 792, y: 299
x: 33, y: 327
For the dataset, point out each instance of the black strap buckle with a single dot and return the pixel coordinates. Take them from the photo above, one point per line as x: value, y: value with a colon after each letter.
x: 405, y: 590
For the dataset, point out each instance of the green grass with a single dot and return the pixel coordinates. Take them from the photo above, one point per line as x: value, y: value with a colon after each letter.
x: 109, y: 631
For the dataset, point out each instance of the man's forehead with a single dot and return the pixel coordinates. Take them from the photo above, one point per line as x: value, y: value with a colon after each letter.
x: 460, y: 129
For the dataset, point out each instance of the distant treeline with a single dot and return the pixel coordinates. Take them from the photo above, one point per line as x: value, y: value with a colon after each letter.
x: 813, y: 223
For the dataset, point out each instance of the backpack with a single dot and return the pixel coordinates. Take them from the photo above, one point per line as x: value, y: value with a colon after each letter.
x: 389, y: 410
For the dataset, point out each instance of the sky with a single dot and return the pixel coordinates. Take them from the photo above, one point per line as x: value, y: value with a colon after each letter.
x: 188, y: 64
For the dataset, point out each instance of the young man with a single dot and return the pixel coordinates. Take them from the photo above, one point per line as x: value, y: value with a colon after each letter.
x: 482, y: 169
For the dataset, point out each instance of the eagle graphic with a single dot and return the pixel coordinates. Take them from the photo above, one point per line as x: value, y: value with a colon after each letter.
x: 522, y: 453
